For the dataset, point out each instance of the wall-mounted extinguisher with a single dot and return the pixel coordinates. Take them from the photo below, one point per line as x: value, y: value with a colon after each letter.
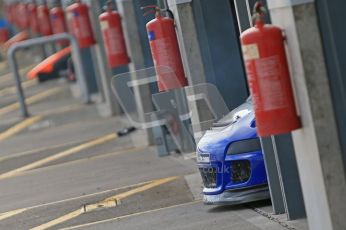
x: 268, y: 77
x: 57, y: 18
x: 9, y: 12
x: 113, y: 37
x: 165, y: 50
x: 44, y: 20
x: 23, y: 16
x: 33, y: 21
x: 58, y: 23
x: 79, y: 24
x: 4, y: 35
x: 16, y: 19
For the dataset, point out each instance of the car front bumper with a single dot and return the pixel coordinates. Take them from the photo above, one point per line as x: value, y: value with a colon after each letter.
x: 232, y: 197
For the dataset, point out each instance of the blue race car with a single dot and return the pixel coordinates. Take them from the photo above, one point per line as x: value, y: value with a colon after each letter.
x: 230, y: 160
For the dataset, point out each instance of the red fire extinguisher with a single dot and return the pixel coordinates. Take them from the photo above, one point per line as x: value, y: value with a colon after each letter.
x: 80, y: 25
x: 58, y: 24
x: 17, y: 20
x: 9, y: 12
x: 4, y: 35
x: 268, y: 77
x: 165, y: 51
x: 34, y: 26
x: 44, y: 20
x: 57, y: 18
x: 113, y: 37
x: 23, y: 17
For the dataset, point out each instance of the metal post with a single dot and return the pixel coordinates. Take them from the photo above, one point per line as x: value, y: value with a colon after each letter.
x: 137, y: 45
x: 21, y: 97
x: 273, y: 176
x: 11, y: 54
x: 289, y: 176
x: 243, y: 12
x: 281, y: 166
x: 109, y: 105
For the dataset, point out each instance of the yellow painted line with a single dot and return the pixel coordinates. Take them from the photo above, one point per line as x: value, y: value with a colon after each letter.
x: 31, y: 100
x: 99, y: 206
x: 62, y: 219
x: 64, y: 109
x: 79, y: 161
x: 43, y: 149
x: 101, y: 156
x: 89, y: 144
x: 19, y: 127
x: 78, y: 212
x: 141, y: 189
x: 131, y: 215
x: 3, y: 65
x: 11, y: 213
x: 115, y: 153
x: 8, y: 76
x: 13, y: 89
x: 21, y: 210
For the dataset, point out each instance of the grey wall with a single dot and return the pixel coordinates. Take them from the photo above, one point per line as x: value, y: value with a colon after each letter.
x: 219, y: 40
x: 142, y: 21
x: 332, y: 25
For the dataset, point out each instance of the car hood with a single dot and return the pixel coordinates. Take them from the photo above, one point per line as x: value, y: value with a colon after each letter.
x: 238, y: 125
x: 234, y: 115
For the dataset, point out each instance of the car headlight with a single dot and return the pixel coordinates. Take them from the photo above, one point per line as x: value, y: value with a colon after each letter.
x: 244, y: 146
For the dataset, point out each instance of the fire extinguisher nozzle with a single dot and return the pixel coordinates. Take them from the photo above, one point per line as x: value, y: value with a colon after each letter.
x: 108, y: 6
x: 259, y: 8
x: 150, y: 6
x: 153, y: 9
x: 149, y: 12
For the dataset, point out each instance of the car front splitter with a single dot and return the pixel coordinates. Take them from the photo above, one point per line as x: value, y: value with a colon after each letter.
x: 237, y: 197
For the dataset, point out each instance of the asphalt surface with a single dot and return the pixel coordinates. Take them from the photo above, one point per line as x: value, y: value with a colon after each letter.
x: 69, y: 170
x: 189, y: 216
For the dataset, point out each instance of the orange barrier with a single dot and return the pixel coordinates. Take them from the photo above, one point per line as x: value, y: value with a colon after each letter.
x: 47, y: 65
x: 21, y: 36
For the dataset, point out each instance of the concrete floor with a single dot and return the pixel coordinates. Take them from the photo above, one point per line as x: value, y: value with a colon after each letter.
x: 49, y: 191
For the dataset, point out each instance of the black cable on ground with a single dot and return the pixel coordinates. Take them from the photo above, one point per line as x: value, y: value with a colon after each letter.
x: 126, y: 131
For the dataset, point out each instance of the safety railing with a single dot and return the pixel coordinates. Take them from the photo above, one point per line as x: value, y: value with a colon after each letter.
x: 77, y: 61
